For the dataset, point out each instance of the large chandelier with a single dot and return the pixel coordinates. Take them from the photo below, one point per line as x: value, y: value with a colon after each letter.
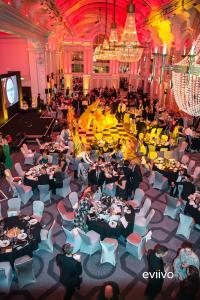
x: 129, y: 49
x: 186, y: 81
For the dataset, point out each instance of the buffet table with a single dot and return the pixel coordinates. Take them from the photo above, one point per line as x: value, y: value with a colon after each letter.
x: 19, y: 236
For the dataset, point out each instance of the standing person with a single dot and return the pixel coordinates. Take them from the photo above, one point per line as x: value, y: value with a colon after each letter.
x: 70, y: 270
x: 121, y: 110
x: 6, y: 151
x: 190, y: 285
x: 135, y: 178
x: 155, y: 265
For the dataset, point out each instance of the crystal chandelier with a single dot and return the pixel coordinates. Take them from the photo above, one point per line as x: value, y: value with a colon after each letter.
x: 129, y: 49
x: 186, y: 81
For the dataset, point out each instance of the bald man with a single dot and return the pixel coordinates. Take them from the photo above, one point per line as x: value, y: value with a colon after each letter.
x: 109, y: 291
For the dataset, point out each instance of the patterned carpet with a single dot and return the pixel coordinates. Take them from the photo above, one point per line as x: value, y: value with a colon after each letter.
x: 128, y: 270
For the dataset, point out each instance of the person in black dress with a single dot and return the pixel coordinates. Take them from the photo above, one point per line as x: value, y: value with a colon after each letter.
x: 70, y: 271
x: 121, y: 186
x: 189, y: 287
x: 155, y: 264
x: 43, y: 179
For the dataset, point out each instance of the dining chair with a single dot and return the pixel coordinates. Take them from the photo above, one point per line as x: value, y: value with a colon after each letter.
x: 24, y: 271
x: 45, y: 193
x: 151, y: 178
x: 9, y: 179
x: 136, y: 244
x: 164, y: 137
x: 90, y: 242
x: 138, y: 197
x: 14, y: 206
x: 73, y: 238
x: 47, y: 241
x: 185, y: 159
x: 28, y: 157
x: 54, y: 158
x: 38, y: 210
x: 141, y: 226
x: 185, y: 226
x: 65, y: 215
x: 73, y: 198
x: 108, y: 251
x: 172, y: 207
x: 161, y: 182
x: 6, y: 276
x: 65, y: 190
x: 19, y: 170
x: 168, y: 154
x: 24, y: 192
x: 181, y: 149
x: 145, y: 208
x: 196, y: 174
x: 190, y: 166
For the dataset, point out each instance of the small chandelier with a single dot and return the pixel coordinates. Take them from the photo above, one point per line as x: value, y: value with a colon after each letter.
x: 129, y: 49
x: 186, y: 81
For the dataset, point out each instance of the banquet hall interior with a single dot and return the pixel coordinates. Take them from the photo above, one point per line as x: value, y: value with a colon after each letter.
x: 100, y: 149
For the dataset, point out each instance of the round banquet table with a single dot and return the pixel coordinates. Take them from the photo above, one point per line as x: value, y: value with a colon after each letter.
x: 172, y: 176
x: 103, y: 228
x: 18, y: 248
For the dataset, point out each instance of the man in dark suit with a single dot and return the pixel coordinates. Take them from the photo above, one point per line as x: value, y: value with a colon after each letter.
x: 70, y: 270
x: 136, y: 177
x: 44, y: 177
x: 96, y: 176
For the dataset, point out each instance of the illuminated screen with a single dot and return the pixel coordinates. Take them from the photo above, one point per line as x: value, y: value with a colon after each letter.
x: 10, y: 90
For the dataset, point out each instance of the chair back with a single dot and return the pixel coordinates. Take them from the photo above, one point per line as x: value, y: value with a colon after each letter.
x: 84, y: 237
x: 73, y: 198
x: 145, y: 208
x: 139, y: 195
x: 151, y: 148
x: 14, y: 203
x: 19, y: 170
x: 44, y: 191
x: 168, y: 154
x: 69, y: 235
x: 180, y: 189
x: 2, y: 274
x: 108, y: 252
x: 50, y: 232
x: 185, y: 159
x: 24, y: 270
x: 185, y: 226
x: 158, y: 176
x: 150, y: 216
x: 196, y: 172
x: 159, y: 130
x: 164, y: 137
x: 20, y: 190
x: 191, y: 166
x: 171, y: 201
x: 38, y: 208
x: 183, y: 145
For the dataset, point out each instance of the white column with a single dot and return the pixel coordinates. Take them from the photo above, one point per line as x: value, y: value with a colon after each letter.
x: 37, y: 71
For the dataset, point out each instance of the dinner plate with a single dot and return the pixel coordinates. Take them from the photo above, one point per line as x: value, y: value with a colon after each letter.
x: 4, y: 243
x: 22, y: 236
x: 112, y: 224
x: 27, y: 218
x: 33, y: 221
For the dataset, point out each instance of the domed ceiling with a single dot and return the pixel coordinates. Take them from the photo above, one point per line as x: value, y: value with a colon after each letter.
x: 85, y: 19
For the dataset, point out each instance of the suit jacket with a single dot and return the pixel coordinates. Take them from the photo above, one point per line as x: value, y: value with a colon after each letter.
x: 93, y: 180
x: 70, y: 270
x: 121, y: 108
x: 136, y: 177
x: 43, y: 179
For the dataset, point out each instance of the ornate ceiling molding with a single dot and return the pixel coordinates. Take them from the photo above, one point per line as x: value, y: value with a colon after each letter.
x: 13, y: 22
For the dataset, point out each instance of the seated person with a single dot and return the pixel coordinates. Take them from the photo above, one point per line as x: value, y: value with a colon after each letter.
x: 43, y: 158
x: 58, y: 178
x: 44, y: 177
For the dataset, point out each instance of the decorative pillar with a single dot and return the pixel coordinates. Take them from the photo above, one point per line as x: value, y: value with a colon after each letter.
x: 86, y: 84
x: 37, y: 71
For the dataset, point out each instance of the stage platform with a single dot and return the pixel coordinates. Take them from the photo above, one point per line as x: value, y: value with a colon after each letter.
x: 27, y: 125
